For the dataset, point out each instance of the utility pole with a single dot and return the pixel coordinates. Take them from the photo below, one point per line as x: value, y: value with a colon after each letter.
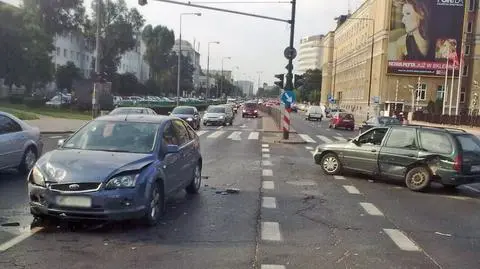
x: 96, y: 85
x: 289, y: 83
x: 396, y: 94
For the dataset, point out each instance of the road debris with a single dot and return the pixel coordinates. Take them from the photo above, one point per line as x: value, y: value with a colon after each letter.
x: 11, y: 224
x: 439, y: 233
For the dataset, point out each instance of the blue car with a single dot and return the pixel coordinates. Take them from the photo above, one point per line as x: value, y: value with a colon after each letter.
x: 115, y: 168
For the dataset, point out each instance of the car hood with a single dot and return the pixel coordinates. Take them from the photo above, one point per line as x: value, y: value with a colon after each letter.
x: 183, y: 116
x: 333, y: 145
x: 214, y: 115
x: 90, y: 166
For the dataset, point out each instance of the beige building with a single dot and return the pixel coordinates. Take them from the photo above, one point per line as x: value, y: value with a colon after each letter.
x: 310, y: 53
x: 364, y: 87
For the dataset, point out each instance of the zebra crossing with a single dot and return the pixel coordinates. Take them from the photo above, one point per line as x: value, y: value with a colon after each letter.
x: 322, y: 138
x: 231, y: 135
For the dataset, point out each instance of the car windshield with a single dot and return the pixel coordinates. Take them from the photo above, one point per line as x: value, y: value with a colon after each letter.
x: 315, y: 109
x: 183, y: 110
x: 216, y: 109
x: 121, y: 111
x: 115, y: 136
x: 388, y: 120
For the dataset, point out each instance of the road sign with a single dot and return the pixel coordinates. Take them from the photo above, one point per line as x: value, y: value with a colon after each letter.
x: 288, y: 97
x: 376, y: 99
x: 290, y: 53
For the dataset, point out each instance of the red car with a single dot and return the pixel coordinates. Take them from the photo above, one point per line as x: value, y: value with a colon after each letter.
x: 250, y: 110
x: 343, y: 120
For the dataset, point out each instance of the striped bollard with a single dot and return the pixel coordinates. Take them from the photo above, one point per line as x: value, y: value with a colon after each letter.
x: 286, y: 123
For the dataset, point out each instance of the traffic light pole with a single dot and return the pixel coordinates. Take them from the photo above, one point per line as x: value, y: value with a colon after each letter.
x: 289, y: 82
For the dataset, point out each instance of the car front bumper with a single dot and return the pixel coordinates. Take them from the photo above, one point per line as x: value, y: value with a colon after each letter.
x: 214, y: 121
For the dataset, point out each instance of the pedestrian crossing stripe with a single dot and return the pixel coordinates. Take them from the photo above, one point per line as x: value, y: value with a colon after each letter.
x: 234, y: 135
x: 322, y: 138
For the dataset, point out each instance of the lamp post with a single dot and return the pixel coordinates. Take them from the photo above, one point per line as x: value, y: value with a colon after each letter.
x: 180, y: 54
x: 258, y: 82
x: 221, y: 81
x: 208, y: 67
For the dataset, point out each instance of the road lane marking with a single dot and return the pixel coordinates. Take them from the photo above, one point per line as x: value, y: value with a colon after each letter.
x: 199, y: 133
x: 307, y: 138
x: 265, y: 145
x: 324, y: 139
x: 351, y: 189
x: 266, y: 155
x: 267, y: 172
x: 216, y: 134
x: 265, y: 150
x: 401, y: 240
x: 219, y: 127
x: 271, y: 231
x: 339, y: 177
x: 266, y: 163
x: 19, y: 238
x: 235, y: 136
x: 339, y: 138
x: 309, y: 148
x: 56, y: 137
x: 268, y: 185
x: 272, y: 266
x: 371, y: 209
x: 253, y: 136
x: 269, y: 202
x: 472, y: 188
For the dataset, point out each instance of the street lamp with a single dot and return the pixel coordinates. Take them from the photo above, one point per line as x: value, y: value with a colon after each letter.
x: 180, y: 53
x: 258, y: 82
x: 208, y: 67
x: 221, y: 81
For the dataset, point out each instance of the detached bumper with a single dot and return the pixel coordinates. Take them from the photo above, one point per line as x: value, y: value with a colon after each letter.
x: 456, y: 180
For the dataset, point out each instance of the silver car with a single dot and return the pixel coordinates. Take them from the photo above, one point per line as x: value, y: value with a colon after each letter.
x: 20, y: 143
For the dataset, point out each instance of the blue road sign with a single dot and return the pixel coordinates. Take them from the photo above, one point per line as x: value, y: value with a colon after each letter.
x: 288, y: 97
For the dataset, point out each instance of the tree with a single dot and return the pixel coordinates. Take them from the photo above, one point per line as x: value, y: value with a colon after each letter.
x: 159, y: 42
x: 312, y: 85
x: 66, y: 74
x: 125, y: 84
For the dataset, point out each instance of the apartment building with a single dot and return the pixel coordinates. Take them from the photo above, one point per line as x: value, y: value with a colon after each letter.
x: 310, y: 53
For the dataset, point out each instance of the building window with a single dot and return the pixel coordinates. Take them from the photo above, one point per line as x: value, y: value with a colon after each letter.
x: 422, y: 92
x: 72, y: 55
x: 465, y: 71
x: 469, y: 27
x: 58, y: 51
x: 467, y: 49
x: 65, y: 53
x: 440, y: 92
x: 462, y: 95
x: 471, y: 5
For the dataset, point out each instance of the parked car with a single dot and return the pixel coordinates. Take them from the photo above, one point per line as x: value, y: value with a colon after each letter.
x: 250, y: 110
x: 231, y: 106
x: 314, y: 112
x: 217, y: 115
x: 377, y: 122
x: 117, y: 168
x: 416, y: 154
x: 333, y: 111
x: 20, y: 143
x: 132, y: 110
x: 189, y: 114
x: 342, y: 120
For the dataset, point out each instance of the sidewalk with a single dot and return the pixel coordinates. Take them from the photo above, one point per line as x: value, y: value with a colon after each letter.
x: 474, y: 130
x: 269, y: 124
x: 56, y: 125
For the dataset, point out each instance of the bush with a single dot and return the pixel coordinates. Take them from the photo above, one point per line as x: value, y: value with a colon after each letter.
x: 16, y: 99
x: 34, y: 102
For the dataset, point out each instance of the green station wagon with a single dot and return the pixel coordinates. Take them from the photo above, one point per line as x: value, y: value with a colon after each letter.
x: 416, y: 154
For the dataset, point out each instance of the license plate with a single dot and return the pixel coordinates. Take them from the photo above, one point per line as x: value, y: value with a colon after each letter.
x: 475, y: 168
x: 347, y: 120
x: 74, y: 201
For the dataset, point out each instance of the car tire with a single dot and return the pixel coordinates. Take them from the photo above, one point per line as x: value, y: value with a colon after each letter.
x: 243, y: 116
x: 196, y: 182
x: 334, y: 126
x: 231, y: 122
x: 224, y: 123
x: 204, y: 124
x: 418, y: 178
x: 331, y: 165
x: 28, y: 160
x: 156, y: 205
x: 352, y: 128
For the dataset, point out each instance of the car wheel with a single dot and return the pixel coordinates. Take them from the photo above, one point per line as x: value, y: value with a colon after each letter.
x: 352, y: 128
x: 28, y: 160
x: 334, y: 126
x: 204, y: 124
x: 243, y: 116
x: 224, y: 123
x: 196, y: 182
x: 418, y: 178
x: 331, y: 164
x: 156, y: 205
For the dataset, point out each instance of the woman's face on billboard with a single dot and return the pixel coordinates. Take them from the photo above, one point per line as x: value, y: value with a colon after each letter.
x: 411, y: 19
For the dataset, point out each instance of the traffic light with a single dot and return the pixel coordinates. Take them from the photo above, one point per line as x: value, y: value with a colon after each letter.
x: 299, y: 81
x: 279, y: 83
x: 142, y: 2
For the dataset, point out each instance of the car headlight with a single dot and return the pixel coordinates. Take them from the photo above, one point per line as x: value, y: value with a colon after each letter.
x: 37, y: 177
x: 120, y: 182
x: 55, y: 173
x: 221, y: 117
x: 255, y: 111
x: 244, y: 111
x: 189, y: 119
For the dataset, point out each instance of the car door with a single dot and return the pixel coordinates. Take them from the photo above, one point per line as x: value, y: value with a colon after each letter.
x: 172, y: 162
x: 399, y: 151
x: 185, y: 175
x: 362, y: 153
x: 194, y: 147
x: 12, y: 140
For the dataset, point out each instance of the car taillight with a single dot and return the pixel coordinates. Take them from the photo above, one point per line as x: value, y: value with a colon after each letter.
x: 457, y: 163
x: 255, y: 111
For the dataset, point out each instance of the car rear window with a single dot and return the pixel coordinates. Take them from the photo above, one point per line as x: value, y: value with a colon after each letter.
x: 250, y: 105
x: 469, y: 142
x: 346, y: 116
x: 436, y: 142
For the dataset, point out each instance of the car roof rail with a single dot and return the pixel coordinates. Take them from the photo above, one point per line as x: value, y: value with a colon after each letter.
x: 437, y: 127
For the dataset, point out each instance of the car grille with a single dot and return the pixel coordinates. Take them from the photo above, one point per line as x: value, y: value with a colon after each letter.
x: 81, y: 187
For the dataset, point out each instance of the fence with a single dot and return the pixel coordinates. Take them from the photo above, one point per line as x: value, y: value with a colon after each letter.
x: 274, y: 112
x: 472, y: 119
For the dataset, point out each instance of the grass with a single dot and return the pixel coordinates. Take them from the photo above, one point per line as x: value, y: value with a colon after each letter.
x: 19, y: 113
x: 23, y: 110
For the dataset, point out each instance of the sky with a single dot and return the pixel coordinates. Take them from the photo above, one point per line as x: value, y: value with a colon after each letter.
x: 254, y: 45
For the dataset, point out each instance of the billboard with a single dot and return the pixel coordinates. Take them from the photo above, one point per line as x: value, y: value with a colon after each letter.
x: 423, y: 35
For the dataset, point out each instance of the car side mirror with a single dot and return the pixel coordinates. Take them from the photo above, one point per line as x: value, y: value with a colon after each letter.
x: 364, y: 122
x: 60, y: 142
x: 172, y: 149
x: 355, y: 141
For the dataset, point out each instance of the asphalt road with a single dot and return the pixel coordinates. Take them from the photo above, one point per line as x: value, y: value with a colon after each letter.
x: 288, y: 214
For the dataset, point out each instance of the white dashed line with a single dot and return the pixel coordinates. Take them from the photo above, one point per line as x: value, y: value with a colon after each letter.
x: 216, y: 134
x: 309, y: 148
x: 307, y: 138
x: 401, y: 240
x: 339, y: 138
x: 235, y: 136
x: 266, y: 163
x: 269, y: 202
x: 265, y: 145
x: 266, y: 155
x: 199, y: 133
x: 56, y: 137
x: 472, y: 188
x: 324, y: 139
x: 12, y: 242
x: 371, y: 209
x: 253, y: 136
x: 267, y: 172
x: 219, y: 127
x: 268, y: 185
x: 271, y: 231
x: 265, y: 150
x: 351, y: 189
x: 339, y: 177
x: 272, y: 266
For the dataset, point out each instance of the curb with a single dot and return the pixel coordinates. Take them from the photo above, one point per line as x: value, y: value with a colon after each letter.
x: 278, y: 131
x: 294, y: 142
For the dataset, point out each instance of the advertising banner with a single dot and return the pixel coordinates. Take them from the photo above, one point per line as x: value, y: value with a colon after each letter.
x: 423, y: 35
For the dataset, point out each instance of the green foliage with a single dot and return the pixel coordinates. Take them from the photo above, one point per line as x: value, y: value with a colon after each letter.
x: 66, y: 74
x: 159, y: 42
x: 125, y: 84
x: 310, y: 91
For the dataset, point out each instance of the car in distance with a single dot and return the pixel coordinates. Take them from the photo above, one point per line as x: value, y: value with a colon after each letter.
x: 315, y: 113
x: 189, y: 114
x: 250, y: 110
x: 342, y: 120
x: 132, y: 110
x: 115, y: 168
x: 218, y: 115
x: 377, y: 122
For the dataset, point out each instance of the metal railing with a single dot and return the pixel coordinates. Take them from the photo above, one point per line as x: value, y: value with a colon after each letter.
x: 470, y: 119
